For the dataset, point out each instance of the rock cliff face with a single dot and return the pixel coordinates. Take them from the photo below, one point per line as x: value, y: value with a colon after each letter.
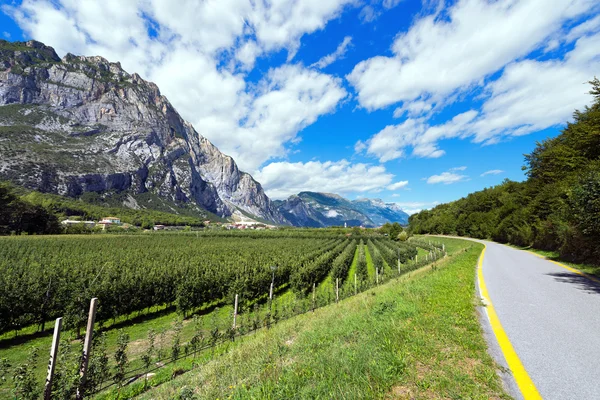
x: 82, y: 125
x: 327, y: 209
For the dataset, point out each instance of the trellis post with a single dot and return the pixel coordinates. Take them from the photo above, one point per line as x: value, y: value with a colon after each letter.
x: 52, y: 362
x: 87, y: 347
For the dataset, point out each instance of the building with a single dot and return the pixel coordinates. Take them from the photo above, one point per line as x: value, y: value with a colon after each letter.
x: 110, y: 221
x: 159, y: 227
x: 70, y: 222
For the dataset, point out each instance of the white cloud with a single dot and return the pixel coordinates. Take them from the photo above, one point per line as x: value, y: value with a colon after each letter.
x: 375, y: 8
x: 390, y: 142
x: 442, y: 53
x: 585, y: 28
x: 528, y: 96
x: 446, y: 178
x: 337, y: 54
x: 397, y: 185
x: 199, y: 54
x: 282, y: 179
x: 492, y: 172
x: 458, y: 168
x: 6, y: 35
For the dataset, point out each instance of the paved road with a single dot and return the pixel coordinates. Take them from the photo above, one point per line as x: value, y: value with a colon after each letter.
x: 552, y: 319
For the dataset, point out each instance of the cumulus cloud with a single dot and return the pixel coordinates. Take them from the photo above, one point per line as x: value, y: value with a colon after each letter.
x: 397, y: 185
x: 337, y: 54
x: 282, y: 179
x: 528, y: 96
x: 442, y: 53
x: 446, y: 178
x: 391, y: 142
x: 492, y: 172
x: 199, y: 53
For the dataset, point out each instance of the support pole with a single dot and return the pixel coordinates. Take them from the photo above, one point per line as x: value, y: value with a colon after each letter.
x: 355, y: 288
x: 87, y: 347
x: 314, y: 287
x: 337, y: 290
x: 377, y: 275
x: 52, y: 362
x: 399, y: 267
x: 235, y: 310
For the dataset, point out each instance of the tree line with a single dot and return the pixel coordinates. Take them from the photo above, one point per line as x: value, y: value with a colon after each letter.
x: 556, y: 208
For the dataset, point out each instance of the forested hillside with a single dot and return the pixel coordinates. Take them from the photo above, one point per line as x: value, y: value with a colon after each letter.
x: 556, y: 208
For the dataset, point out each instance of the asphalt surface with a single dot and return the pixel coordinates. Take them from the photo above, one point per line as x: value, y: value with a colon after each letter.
x: 552, y: 318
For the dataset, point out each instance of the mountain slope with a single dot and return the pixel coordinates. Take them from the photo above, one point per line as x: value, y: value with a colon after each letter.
x: 327, y: 209
x: 81, y: 125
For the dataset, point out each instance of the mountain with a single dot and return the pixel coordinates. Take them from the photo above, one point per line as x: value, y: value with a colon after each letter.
x: 327, y: 209
x: 85, y: 128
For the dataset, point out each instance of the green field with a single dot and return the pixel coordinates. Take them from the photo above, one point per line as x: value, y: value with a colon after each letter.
x: 200, y: 272
x: 414, y: 337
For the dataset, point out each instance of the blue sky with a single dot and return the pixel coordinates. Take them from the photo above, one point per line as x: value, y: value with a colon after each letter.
x: 414, y: 102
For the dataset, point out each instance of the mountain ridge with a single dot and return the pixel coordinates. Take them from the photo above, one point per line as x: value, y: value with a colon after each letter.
x: 318, y: 209
x: 82, y: 124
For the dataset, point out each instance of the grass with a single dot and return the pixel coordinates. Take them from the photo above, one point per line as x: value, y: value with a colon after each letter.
x: 370, y: 266
x: 415, y: 337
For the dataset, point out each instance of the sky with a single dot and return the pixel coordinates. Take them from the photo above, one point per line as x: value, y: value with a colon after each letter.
x: 417, y: 102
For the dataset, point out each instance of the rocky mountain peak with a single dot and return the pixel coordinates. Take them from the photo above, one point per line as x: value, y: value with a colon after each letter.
x: 82, y: 124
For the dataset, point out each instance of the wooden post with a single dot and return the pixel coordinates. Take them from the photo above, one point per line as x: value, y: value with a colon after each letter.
x: 235, y: 310
x: 355, y: 291
x: 337, y: 290
x: 87, y: 347
x: 377, y: 275
x: 399, y: 267
x: 314, y: 287
x: 52, y: 362
x: 271, y: 292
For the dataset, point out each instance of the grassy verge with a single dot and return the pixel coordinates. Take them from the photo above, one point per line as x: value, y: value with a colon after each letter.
x: 415, y: 337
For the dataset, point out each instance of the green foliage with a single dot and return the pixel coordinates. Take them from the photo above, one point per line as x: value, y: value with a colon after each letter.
x: 176, y: 344
x: 66, y: 375
x: 121, y: 357
x: 149, y: 353
x: 4, y: 369
x: 98, y: 368
x: 18, y: 216
x: 557, y: 208
x: 392, y: 230
x: 402, y: 236
x: 26, y: 386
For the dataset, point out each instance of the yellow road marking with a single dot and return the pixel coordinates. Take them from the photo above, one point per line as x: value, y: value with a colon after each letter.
x: 578, y: 272
x: 521, y: 376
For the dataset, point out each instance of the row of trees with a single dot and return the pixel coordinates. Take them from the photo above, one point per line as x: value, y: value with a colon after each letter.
x: 556, y: 208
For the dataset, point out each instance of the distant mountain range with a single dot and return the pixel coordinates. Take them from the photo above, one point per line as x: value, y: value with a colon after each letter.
x: 328, y: 209
x: 84, y: 128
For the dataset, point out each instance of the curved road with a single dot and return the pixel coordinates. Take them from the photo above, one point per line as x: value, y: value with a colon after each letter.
x: 551, y: 317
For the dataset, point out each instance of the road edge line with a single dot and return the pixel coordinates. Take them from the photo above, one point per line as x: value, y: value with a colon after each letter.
x: 524, y: 382
x: 574, y: 270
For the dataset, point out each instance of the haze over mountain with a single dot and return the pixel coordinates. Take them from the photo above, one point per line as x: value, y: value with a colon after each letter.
x: 328, y: 209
